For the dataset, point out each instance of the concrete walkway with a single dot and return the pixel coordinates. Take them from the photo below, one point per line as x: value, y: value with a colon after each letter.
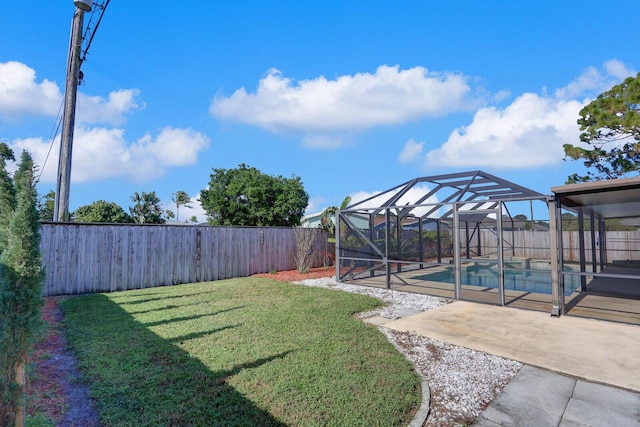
x: 540, y: 398
x: 591, y: 368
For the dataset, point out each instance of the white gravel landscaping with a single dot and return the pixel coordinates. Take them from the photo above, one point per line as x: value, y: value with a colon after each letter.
x: 462, y: 381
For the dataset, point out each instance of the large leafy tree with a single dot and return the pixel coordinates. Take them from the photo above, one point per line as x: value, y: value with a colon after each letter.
x: 611, y: 126
x: 246, y: 196
x: 146, y: 208
x: 101, y: 211
x: 21, y: 277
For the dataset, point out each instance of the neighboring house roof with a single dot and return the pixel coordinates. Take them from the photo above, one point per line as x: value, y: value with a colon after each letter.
x: 311, y: 220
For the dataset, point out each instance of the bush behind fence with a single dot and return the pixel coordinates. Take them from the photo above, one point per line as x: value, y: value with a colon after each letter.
x: 87, y: 258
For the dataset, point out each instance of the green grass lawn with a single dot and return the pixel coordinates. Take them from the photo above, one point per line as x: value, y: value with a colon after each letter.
x: 238, y: 352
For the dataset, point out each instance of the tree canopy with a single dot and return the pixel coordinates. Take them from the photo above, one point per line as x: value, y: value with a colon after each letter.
x: 246, y: 196
x: 46, y: 206
x: 101, y: 211
x: 146, y: 208
x: 611, y: 125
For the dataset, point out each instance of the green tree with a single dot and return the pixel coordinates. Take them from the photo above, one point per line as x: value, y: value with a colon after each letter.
x: 328, y: 216
x: 101, y: 211
x: 181, y: 198
x: 147, y: 209
x: 21, y: 277
x: 46, y: 207
x: 611, y: 125
x: 246, y: 196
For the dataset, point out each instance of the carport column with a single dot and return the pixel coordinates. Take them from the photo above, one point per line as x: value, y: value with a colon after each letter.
x: 582, y: 250
x: 555, y: 246
x: 456, y: 252
x: 372, y: 226
x: 592, y: 223
x: 336, y: 255
x: 602, y: 230
x: 438, y: 230
x: 387, y: 236
x: 500, y: 255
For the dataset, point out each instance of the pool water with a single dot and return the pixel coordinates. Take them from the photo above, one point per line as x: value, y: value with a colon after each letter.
x: 538, y: 281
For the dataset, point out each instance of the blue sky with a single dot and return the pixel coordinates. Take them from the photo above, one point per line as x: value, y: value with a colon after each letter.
x: 352, y: 97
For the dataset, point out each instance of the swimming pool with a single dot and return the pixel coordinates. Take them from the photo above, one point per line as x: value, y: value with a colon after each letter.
x: 538, y: 281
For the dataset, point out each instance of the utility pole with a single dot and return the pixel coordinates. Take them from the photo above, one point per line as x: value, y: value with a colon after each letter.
x: 61, y: 209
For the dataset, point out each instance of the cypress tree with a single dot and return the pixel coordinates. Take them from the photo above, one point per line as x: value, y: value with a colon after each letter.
x: 21, y: 278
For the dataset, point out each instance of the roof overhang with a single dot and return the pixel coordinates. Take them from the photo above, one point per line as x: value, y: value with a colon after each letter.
x: 614, y: 198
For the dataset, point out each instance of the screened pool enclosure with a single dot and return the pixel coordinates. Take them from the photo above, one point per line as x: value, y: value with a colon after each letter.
x: 474, y: 236
x: 468, y: 235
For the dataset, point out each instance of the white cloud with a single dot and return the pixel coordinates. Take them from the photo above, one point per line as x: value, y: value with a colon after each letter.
x: 528, y: 133
x: 315, y: 205
x: 348, y: 103
x: 100, y: 153
x: 21, y: 94
x: 411, y: 152
x: 96, y: 109
x: 592, y: 81
x: 617, y: 70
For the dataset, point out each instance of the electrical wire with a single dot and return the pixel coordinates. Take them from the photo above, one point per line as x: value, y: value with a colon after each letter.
x: 89, y: 38
x: 54, y: 130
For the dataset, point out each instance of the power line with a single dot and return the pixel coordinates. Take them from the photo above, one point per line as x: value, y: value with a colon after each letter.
x: 52, y: 136
x: 90, y: 31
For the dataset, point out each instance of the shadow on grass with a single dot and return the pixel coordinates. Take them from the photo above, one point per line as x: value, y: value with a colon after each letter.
x: 138, y: 378
x: 196, y: 316
x: 169, y: 295
x: 200, y: 334
x: 169, y: 307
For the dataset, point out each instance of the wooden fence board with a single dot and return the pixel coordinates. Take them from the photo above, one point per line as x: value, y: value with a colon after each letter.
x: 83, y: 258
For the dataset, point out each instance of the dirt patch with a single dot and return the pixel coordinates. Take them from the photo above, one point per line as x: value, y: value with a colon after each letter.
x: 55, y: 388
x: 295, y: 276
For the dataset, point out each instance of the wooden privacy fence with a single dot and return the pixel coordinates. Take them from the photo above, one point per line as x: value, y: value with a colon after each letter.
x: 86, y: 258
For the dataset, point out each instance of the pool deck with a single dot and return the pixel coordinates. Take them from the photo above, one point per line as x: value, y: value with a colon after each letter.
x: 594, y: 350
x: 577, y: 371
x: 592, y: 305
